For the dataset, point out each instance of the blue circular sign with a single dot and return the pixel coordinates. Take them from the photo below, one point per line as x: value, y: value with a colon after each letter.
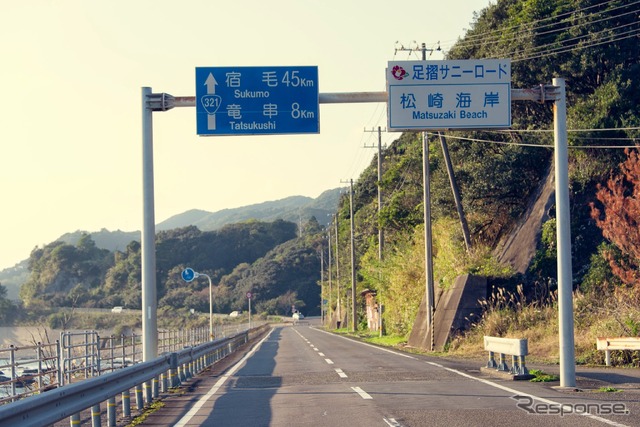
x: 188, y: 274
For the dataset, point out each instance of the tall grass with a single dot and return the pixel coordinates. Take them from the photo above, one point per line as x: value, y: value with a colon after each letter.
x: 511, y: 315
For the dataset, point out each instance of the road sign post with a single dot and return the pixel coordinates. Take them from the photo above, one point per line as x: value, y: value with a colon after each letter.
x: 257, y: 100
x: 188, y: 275
x: 249, y: 296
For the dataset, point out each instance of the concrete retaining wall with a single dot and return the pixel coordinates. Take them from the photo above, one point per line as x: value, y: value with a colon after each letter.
x: 454, y: 309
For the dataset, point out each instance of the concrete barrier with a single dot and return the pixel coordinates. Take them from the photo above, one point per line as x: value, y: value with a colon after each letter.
x: 517, y: 348
x: 617, y: 343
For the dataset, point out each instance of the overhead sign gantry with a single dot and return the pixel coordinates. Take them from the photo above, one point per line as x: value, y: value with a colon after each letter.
x: 478, y: 82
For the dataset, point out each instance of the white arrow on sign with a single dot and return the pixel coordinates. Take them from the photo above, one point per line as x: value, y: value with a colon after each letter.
x: 211, y: 84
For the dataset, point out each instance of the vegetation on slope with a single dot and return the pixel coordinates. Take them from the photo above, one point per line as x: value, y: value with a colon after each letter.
x: 498, y: 172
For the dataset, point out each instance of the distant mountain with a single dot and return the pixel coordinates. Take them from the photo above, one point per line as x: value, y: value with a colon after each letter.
x: 104, y: 239
x: 294, y: 209
x: 13, y: 277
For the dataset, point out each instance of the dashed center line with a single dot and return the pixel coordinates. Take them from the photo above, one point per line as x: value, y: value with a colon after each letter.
x: 341, y: 373
x: 329, y: 361
x: 363, y: 394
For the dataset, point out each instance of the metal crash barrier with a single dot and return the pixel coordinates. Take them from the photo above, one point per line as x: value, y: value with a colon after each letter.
x: 517, y: 348
x: 616, y: 343
x: 170, y: 370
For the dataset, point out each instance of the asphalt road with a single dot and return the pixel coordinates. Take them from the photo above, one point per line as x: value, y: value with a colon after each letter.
x: 303, y: 376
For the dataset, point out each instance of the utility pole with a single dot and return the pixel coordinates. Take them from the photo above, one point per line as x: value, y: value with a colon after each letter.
x: 329, y: 310
x: 423, y: 48
x: 430, y: 289
x: 447, y: 161
x: 380, y: 229
x: 338, y: 307
x: 321, y: 284
x: 354, y: 313
x: 428, y: 246
x: 428, y: 256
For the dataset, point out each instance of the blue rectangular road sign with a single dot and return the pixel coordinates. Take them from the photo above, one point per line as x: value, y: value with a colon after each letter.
x: 257, y: 100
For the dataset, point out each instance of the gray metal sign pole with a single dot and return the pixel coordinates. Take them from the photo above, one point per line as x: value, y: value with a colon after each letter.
x: 563, y: 235
x: 556, y: 93
x: 148, y: 243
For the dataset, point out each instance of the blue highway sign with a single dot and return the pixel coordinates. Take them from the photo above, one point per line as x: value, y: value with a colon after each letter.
x: 257, y: 100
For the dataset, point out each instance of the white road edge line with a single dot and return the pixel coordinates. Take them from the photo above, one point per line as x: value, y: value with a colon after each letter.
x: 490, y: 383
x: 541, y: 399
x: 369, y: 345
x: 194, y: 410
x: 363, y: 394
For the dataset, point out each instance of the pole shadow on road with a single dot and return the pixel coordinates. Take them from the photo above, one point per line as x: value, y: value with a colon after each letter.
x: 247, y: 397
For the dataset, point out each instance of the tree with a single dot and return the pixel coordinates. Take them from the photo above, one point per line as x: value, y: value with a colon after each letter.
x: 7, y: 308
x: 619, y: 218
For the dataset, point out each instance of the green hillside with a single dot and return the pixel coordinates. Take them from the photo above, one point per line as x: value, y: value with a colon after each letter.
x: 498, y: 172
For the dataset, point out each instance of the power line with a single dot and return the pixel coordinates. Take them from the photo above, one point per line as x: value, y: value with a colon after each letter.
x: 526, y: 28
x: 568, y: 130
x: 498, y: 33
x: 564, y: 43
x: 522, y: 144
x: 576, y: 48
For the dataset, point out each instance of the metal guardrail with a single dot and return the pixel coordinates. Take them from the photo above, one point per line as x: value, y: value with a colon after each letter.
x: 616, y: 343
x: 76, y: 356
x: 69, y: 400
x: 517, y: 348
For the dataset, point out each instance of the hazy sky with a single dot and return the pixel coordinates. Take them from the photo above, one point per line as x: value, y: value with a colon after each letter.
x: 70, y: 110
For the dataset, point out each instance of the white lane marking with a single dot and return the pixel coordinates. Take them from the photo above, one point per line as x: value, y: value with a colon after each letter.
x: 363, y: 394
x: 487, y: 382
x: 341, y: 373
x: 369, y: 345
x: 541, y: 399
x: 194, y: 410
x: 391, y: 422
x: 329, y: 361
x: 315, y: 349
x: 321, y: 354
